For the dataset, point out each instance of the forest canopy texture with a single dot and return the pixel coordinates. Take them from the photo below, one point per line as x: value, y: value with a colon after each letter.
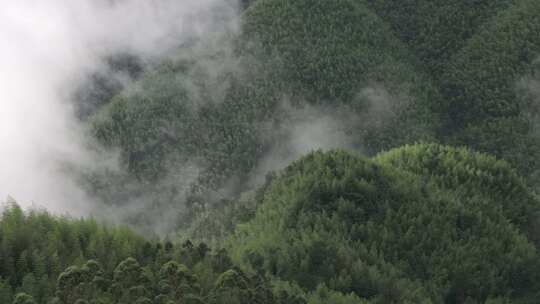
x: 330, y: 151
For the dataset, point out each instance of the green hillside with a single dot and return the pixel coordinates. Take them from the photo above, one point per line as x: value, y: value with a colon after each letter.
x: 436, y: 30
x: 417, y: 224
x: 400, y: 228
x: 225, y: 119
x: 46, y: 259
x: 480, y: 85
x: 330, y: 58
x: 470, y: 176
x: 324, y: 152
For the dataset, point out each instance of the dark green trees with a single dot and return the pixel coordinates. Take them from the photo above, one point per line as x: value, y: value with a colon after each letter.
x: 333, y: 52
x: 103, y: 266
x: 78, y: 284
x: 35, y: 247
x: 474, y: 178
x: 418, y: 224
x: 231, y: 285
x: 168, y: 283
x: 177, y: 285
x: 386, y: 234
x: 6, y: 293
x: 404, y: 71
x: 129, y: 284
x: 23, y: 298
x: 435, y: 30
x: 480, y: 87
x: 423, y: 223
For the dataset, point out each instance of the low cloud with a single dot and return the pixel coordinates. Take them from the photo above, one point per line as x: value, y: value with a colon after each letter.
x: 47, y: 49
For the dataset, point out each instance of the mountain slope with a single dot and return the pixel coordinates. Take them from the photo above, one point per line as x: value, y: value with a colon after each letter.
x: 368, y: 227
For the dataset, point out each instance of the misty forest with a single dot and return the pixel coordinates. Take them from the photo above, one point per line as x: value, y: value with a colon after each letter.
x: 270, y: 151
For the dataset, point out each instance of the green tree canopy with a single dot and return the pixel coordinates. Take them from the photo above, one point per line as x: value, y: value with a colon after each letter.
x: 372, y: 228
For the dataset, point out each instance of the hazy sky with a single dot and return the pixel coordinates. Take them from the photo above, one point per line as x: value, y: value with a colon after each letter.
x: 46, y: 47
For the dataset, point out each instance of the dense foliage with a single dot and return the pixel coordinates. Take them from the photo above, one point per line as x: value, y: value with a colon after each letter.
x: 483, y: 109
x: 435, y: 30
x: 421, y: 223
x: 45, y: 259
x: 36, y: 248
x: 417, y: 224
x: 408, y: 70
x: 411, y: 221
x: 332, y: 51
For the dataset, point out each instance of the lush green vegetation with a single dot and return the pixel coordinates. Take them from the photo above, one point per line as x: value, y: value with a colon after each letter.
x: 421, y: 223
x: 413, y: 219
x: 436, y: 30
x: 418, y: 224
x: 473, y: 178
x: 45, y: 259
x: 483, y: 109
x: 331, y: 50
x: 447, y: 72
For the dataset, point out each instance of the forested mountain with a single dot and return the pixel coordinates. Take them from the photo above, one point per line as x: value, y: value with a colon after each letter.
x: 418, y: 224
x: 422, y: 187
x: 409, y: 226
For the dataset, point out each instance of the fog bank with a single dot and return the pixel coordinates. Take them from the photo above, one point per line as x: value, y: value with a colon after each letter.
x: 47, y: 49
